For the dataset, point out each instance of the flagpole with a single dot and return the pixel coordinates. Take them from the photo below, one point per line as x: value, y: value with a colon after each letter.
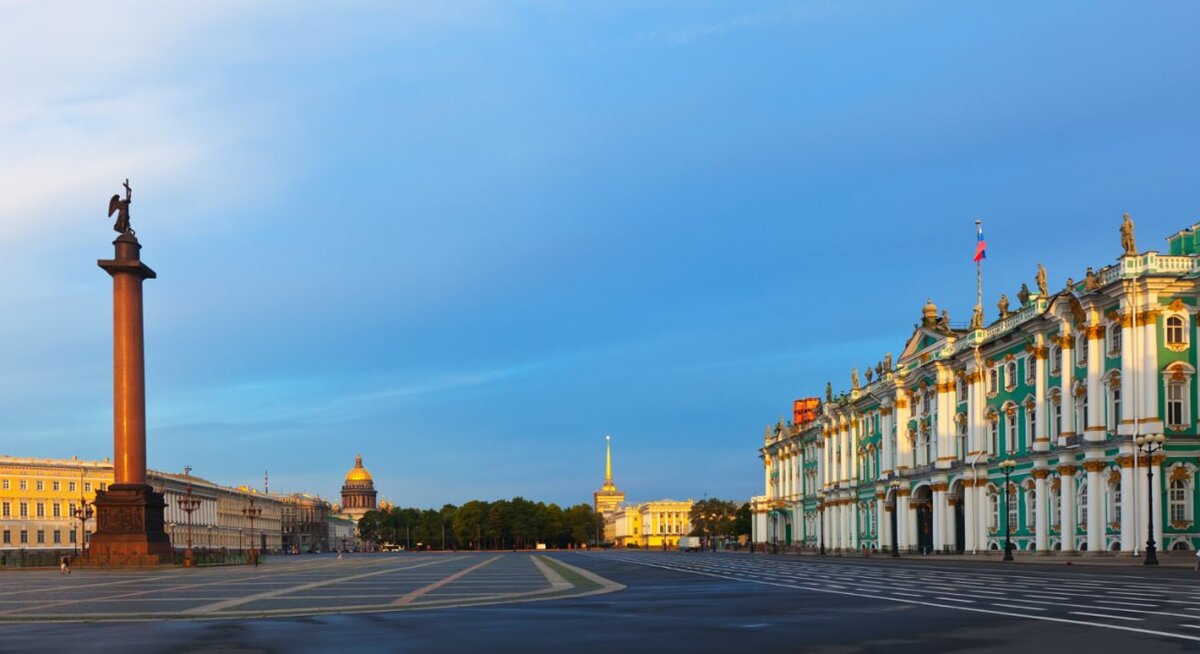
x: 979, y: 271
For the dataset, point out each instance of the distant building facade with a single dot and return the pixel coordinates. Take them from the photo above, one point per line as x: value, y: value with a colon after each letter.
x: 304, y: 523
x: 39, y: 499
x: 608, y: 500
x: 651, y: 524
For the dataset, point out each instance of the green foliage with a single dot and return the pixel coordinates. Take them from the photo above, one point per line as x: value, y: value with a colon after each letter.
x: 714, y: 517
x: 502, y: 524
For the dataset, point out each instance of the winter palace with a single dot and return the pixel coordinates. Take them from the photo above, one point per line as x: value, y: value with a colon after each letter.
x: 1062, y: 385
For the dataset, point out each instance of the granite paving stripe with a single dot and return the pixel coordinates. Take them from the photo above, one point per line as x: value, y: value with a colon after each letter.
x: 411, y: 597
x: 220, y: 606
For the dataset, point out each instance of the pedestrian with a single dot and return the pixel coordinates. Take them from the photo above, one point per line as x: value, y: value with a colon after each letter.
x: 339, y: 554
x: 64, y: 566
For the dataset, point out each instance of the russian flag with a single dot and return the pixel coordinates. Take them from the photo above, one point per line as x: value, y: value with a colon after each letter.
x: 980, y: 248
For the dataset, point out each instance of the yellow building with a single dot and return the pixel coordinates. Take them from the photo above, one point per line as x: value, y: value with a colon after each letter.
x: 40, y: 498
x: 651, y: 524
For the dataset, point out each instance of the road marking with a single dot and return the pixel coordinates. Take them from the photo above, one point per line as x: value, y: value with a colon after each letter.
x: 557, y: 582
x: 955, y: 599
x: 219, y: 606
x: 1101, y: 615
x: 1014, y: 606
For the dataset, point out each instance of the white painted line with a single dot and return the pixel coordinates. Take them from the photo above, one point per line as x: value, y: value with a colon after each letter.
x: 1108, y: 617
x: 1014, y: 606
x: 955, y: 599
x: 896, y: 592
x: 1190, y: 626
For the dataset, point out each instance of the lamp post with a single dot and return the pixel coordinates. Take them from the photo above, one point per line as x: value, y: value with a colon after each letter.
x: 251, y: 513
x: 1147, y: 446
x: 1006, y: 466
x: 188, y: 503
x: 83, y: 513
x: 821, y: 520
x: 895, y: 498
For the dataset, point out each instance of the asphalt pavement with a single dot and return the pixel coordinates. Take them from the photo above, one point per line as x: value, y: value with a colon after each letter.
x: 705, y: 602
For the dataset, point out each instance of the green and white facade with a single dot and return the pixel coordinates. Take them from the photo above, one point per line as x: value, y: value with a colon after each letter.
x: 1062, y: 385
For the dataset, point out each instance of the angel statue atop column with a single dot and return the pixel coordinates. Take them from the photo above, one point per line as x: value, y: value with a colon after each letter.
x: 121, y: 208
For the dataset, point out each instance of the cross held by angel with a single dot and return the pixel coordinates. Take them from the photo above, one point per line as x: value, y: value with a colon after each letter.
x: 121, y: 208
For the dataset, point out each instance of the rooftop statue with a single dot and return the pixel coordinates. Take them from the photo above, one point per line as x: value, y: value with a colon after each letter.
x: 1041, y: 281
x: 1127, y: 241
x: 1023, y: 294
x: 121, y: 208
x: 1003, y: 306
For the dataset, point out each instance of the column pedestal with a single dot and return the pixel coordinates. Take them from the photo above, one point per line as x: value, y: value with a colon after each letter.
x: 129, y: 527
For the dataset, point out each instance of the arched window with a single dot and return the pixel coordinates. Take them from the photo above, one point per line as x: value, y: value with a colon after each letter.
x: 1178, y: 500
x: 993, y: 381
x: 1030, y: 424
x: 1052, y: 507
x: 1056, y: 358
x: 1114, y: 340
x: 1031, y: 507
x: 993, y: 433
x: 994, y: 513
x: 1114, y: 402
x: 1010, y: 375
x: 1083, y: 504
x: 1176, y: 331
x: 960, y: 439
x: 1030, y: 370
x: 1014, y: 503
x: 1081, y: 351
x: 1010, y: 429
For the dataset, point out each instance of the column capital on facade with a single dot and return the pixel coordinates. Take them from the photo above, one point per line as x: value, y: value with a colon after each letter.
x: 1039, y: 473
x: 1067, y: 469
x: 1095, y: 466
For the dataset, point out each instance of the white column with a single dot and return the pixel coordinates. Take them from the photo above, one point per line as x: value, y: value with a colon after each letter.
x: 970, y: 510
x: 1095, y: 516
x: 1067, y: 342
x: 903, y: 446
x: 1150, y: 379
x: 939, y: 516
x: 1041, y: 441
x: 944, y: 428
x: 902, y: 530
x: 887, y: 423
x: 1042, y: 521
x: 1066, y: 514
x: 855, y: 520
x: 1131, y: 405
x: 911, y: 518
x: 767, y: 476
x: 1128, y: 509
x: 1096, y: 399
x: 853, y: 436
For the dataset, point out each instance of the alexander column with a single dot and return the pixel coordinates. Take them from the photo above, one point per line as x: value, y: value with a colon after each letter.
x: 129, y: 514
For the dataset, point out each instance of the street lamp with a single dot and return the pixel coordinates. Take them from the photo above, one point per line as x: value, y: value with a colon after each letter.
x: 821, y: 520
x: 188, y: 504
x: 1006, y: 466
x: 83, y: 513
x: 1147, y: 446
x: 251, y: 513
x: 895, y: 499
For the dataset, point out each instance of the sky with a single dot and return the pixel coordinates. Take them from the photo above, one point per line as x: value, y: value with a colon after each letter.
x: 469, y: 239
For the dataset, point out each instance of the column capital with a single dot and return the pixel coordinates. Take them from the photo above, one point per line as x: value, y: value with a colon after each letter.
x: 1067, y: 469
x: 1095, y: 466
x: 1040, y: 473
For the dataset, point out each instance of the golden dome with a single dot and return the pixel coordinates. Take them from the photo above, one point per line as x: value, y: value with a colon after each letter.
x: 358, y: 472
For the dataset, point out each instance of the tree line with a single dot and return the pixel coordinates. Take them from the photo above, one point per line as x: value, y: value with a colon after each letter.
x: 502, y: 524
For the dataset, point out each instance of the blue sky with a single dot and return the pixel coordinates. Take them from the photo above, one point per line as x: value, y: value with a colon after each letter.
x: 469, y: 239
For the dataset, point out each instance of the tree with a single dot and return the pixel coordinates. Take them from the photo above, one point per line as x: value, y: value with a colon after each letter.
x: 468, y: 522
x: 713, y: 517
x: 742, y: 521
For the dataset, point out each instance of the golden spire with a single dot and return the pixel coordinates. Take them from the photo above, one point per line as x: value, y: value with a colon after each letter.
x: 607, y: 460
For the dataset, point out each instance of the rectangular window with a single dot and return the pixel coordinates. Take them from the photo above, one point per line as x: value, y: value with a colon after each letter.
x: 24, y: 537
x: 7, y: 537
x: 55, y: 486
x: 87, y: 486
x: 57, y: 536
x: 5, y: 509
x: 993, y: 380
x: 41, y: 485
x: 71, y: 486
x: 23, y: 484
x: 1030, y: 370
x: 41, y: 510
x: 56, y: 510
x: 71, y: 509
x: 41, y: 536
x: 1178, y: 500
x: 72, y: 537
x: 1175, y: 404
x: 4, y: 484
x: 24, y: 509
